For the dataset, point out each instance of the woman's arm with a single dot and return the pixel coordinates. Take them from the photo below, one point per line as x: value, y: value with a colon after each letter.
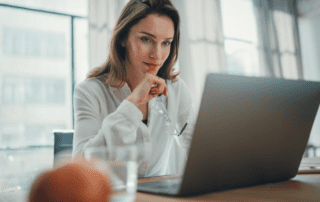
x: 117, y: 128
x: 92, y: 130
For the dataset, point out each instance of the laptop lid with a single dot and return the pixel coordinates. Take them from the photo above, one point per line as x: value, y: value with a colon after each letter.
x: 249, y: 131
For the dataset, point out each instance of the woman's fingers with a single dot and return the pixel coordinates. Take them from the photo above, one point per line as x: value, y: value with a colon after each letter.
x: 150, y: 87
x: 160, y: 87
x: 154, y: 90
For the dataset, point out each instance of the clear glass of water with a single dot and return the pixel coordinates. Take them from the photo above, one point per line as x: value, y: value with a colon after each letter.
x: 120, y: 164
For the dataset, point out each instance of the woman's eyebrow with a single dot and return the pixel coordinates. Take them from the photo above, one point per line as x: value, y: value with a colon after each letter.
x: 153, y: 36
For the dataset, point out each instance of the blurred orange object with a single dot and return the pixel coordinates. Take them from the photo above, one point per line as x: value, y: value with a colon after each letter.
x: 77, y: 181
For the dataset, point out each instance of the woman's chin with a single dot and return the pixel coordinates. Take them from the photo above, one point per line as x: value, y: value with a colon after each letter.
x: 152, y: 71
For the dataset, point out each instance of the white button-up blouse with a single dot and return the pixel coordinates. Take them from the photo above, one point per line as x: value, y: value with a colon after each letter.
x: 101, y: 111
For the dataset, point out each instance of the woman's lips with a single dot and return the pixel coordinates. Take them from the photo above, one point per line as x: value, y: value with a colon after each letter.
x: 151, y: 65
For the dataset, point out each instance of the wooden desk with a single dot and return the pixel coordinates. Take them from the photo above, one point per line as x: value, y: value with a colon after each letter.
x: 304, y: 187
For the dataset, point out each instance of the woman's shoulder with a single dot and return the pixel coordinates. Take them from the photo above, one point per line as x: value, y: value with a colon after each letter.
x: 179, y: 86
x: 93, y: 82
x: 87, y: 84
x: 94, y: 85
x: 179, y: 90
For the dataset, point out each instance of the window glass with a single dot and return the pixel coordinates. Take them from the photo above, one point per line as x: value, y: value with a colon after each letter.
x: 35, y: 75
x: 240, y: 32
x: 242, y: 58
x: 72, y: 7
x: 238, y: 19
x: 35, y: 90
x: 81, y: 49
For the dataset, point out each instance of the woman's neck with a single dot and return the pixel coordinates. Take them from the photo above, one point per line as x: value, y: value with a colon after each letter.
x: 131, y: 83
x: 133, y: 78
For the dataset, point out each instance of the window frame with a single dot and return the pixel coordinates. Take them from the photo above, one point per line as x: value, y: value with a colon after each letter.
x: 72, y: 36
x: 72, y: 65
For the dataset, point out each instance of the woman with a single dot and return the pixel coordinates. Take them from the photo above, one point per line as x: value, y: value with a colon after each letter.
x: 113, y: 107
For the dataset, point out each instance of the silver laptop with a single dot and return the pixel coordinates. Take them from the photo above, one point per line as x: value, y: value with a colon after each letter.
x: 249, y: 131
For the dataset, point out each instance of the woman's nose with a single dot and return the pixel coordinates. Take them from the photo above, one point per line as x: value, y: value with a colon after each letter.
x: 156, y: 52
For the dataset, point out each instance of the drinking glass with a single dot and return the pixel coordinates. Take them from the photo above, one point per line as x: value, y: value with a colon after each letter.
x: 120, y: 164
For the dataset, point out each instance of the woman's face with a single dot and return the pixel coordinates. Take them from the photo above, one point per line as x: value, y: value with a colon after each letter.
x: 148, y: 45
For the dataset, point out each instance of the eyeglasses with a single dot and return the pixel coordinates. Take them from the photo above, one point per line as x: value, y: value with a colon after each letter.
x: 160, y: 109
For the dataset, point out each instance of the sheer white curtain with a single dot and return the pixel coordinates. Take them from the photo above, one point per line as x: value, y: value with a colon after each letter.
x: 309, y: 30
x: 202, y: 43
x: 201, y: 48
x: 279, y: 43
x: 102, y: 16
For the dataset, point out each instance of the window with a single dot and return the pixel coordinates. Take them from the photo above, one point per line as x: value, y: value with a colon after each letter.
x: 240, y: 37
x: 12, y: 88
x: 39, y: 51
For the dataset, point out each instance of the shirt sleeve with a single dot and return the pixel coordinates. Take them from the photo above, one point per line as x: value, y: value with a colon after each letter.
x: 118, y: 128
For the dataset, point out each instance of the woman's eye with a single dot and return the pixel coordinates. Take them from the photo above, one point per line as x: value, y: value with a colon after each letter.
x: 166, y: 43
x: 145, y: 39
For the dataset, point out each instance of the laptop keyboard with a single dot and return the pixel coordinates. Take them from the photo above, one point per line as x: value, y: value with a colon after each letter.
x: 169, y: 186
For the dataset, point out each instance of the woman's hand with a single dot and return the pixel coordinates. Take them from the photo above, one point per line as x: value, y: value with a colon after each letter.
x: 146, y: 90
